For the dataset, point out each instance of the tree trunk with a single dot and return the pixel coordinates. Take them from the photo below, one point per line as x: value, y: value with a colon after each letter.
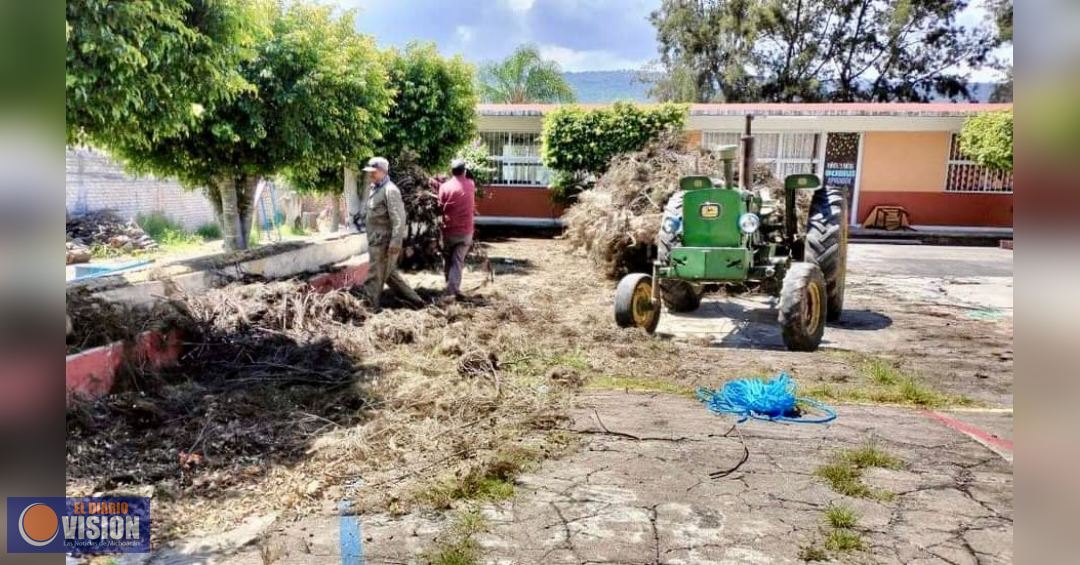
x: 354, y: 203
x: 246, y: 187
x: 335, y: 212
x: 230, y: 215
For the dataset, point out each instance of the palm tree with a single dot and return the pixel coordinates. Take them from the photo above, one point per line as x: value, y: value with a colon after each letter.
x: 524, y: 77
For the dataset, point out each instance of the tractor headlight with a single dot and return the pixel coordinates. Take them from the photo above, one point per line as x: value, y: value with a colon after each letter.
x: 749, y: 223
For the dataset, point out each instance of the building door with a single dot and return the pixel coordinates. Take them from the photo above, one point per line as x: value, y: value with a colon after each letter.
x: 843, y: 154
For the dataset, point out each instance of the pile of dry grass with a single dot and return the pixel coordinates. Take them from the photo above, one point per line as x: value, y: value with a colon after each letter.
x: 287, y: 398
x: 615, y: 224
x: 97, y: 322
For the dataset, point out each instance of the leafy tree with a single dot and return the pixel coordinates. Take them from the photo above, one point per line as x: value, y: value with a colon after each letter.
x: 434, y: 110
x: 142, y: 70
x: 478, y: 163
x: 578, y: 144
x: 524, y: 77
x: 705, y: 47
x: 807, y: 50
x: 318, y: 100
x: 987, y: 139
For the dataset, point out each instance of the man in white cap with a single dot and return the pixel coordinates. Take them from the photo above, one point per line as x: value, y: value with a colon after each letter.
x: 386, y: 226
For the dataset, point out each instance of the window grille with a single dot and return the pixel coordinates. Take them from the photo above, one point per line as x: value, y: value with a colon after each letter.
x: 515, y: 157
x: 964, y: 175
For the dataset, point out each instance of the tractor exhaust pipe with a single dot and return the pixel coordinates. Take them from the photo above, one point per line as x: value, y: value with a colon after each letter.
x: 746, y: 163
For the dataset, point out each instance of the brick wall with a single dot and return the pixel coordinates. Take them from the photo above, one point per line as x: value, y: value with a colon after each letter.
x: 95, y: 182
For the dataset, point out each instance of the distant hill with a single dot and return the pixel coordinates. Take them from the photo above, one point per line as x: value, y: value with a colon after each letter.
x: 597, y: 87
x: 593, y: 87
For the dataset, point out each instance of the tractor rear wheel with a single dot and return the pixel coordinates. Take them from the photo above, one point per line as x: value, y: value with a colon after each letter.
x: 826, y: 243
x: 634, y: 305
x: 803, y: 303
x: 680, y: 296
x: 670, y: 235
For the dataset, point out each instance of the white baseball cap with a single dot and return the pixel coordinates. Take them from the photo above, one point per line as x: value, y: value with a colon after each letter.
x: 379, y: 163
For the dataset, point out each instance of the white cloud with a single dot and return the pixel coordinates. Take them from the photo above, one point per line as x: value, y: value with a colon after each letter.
x: 463, y: 33
x: 520, y: 5
x: 588, y: 60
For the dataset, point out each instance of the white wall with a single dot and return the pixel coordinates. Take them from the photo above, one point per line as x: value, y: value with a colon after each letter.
x: 95, y: 182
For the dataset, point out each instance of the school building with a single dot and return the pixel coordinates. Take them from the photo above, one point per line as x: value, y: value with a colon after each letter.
x: 903, y: 155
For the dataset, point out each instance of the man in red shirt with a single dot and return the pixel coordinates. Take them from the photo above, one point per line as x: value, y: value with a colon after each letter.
x: 457, y: 199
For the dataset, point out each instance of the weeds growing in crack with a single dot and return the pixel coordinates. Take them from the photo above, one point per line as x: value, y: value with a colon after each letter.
x: 490, y: 481
x: 845, y: 471
x: 841, y: 516
x: 884, y: 382
x: 458, y: 545
x: 840, y: 540
x: 839, y: 537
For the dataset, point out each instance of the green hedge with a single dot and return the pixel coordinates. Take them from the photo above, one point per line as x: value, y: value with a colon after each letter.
x: 578, y: 144
x: 987, y: 139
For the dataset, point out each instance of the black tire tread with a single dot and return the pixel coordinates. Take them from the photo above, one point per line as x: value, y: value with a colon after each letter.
x: 666, y: 239
x: 826, y: 244
x: 679, y: 296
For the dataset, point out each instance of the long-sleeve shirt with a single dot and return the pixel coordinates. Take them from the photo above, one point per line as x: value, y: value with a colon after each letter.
x: 385, y: 214
x: 457, y: 197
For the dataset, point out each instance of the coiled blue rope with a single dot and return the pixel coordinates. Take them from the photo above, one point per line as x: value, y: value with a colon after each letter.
x: 773, y: 400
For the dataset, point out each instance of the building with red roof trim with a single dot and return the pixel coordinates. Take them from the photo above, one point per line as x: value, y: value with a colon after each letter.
x: 902, y: 154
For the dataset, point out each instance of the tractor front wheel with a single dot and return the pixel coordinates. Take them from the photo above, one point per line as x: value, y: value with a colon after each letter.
x: 634, y: 305
x: 803, y: 306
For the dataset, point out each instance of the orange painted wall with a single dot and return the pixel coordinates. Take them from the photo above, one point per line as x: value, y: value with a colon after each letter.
x: 904, y: 161
x: 517, y: 201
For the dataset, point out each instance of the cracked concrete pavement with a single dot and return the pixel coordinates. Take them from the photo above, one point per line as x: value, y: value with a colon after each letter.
x: 639, y: 491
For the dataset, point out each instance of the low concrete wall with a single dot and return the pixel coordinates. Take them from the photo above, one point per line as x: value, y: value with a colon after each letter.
x: 336, y: 262
x: 190, y: 276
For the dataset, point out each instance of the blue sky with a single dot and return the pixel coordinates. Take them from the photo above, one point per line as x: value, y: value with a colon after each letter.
x: 579, y: 34
x: 582, y: 35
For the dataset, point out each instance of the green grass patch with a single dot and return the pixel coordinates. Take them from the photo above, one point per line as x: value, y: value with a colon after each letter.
x: 882, y: 382
x: 168, y: 233
x: 490, y: 481
x: 636, y: 384
x: 537, y: 363
x: 844, y: 472
x: 844, y: 479
x: 209, y: 231
x: 841, y: 540
x: 459, y: 545
x: 870, y: 455
x: 841, y: 516
x: 881, y: 372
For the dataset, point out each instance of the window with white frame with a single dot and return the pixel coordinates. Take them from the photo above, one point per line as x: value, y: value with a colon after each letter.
x: 965, y: 175
x: 785, y: 153
x: 516, y: 158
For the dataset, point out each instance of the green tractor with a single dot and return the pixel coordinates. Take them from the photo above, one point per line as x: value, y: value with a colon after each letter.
x: 714, y: 232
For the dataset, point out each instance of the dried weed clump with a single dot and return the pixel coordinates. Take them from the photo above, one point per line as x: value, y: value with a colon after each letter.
x: 287, y: 399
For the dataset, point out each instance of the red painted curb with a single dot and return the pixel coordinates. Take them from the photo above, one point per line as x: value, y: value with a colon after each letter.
x: 973, y: 431
x: 348, y: 277
x: 91, y: 374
